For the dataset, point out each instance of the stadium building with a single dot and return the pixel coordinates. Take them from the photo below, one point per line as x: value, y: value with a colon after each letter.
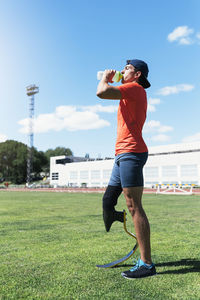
x: 170, y: 164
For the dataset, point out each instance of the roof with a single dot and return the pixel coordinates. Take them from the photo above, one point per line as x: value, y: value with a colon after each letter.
x: 156, y: 150
x: 174, y: 148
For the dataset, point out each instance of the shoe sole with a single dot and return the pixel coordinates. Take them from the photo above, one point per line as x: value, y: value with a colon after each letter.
x: 139, y: 277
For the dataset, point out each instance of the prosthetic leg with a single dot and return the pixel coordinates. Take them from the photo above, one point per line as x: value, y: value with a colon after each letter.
x: 110, y: 198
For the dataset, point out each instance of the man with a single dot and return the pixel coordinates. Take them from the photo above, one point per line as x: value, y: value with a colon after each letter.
x: 130, y: 156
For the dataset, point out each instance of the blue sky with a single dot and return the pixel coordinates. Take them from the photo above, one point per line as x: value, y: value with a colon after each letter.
x: 60, y: 46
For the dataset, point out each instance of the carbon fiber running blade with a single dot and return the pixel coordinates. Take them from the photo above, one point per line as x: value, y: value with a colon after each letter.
x: 119, y: 261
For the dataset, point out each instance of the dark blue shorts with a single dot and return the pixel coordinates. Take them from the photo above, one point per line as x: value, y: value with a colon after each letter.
x: 128, y: 170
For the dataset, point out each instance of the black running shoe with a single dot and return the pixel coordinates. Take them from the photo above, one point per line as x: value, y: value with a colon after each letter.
x: 140, y: 270
x: 111, y: 216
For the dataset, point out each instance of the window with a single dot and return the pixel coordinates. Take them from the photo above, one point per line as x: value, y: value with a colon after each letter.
x: 189, y: 170
x: 55, y: 176
x: 169, y: 171
x: 151, y: 172
x: 95, y: 184
x: 106, y: 173
x: 84, y: 174
x: 95, y: 174
x: 73, y: 175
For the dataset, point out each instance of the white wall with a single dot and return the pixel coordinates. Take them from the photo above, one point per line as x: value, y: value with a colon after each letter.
x: 162, y: 168
x: 91, y: 173
x: 180, y: 168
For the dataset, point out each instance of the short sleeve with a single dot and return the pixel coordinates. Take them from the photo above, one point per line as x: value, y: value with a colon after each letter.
x: 130, y: 90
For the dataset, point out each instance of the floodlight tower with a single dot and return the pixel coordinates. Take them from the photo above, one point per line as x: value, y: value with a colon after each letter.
x: 31, y: 90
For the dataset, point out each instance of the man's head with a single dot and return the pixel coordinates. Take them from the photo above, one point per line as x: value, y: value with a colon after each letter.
x: 136, y: 71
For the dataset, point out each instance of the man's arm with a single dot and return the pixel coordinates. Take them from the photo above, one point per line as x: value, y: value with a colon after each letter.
x: 106, y: 91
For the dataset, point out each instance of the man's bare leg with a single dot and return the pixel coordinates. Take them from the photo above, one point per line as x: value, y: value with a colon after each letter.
x: 133, y: 197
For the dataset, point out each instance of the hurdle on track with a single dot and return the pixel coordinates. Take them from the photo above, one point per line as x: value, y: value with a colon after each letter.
x: 175, y: 189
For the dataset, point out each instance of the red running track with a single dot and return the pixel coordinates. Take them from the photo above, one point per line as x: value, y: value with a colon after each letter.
x: 78, y: 190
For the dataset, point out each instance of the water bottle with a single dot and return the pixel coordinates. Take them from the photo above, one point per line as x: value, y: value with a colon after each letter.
x: 116, y: 78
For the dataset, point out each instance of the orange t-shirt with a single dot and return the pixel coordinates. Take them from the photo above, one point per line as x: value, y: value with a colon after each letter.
x: 130, y: 119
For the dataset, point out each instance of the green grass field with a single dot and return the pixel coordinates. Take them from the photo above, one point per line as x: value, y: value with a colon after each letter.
x: 51, y: 242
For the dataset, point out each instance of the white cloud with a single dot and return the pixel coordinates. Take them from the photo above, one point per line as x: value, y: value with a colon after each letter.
x: 3, y: 138
x: 70, y: 118
x: 168, y: 90
x: 198, y: 37
x: 181, y: 34
x: 193, y: 138
x: 101, y: 108
x: 160, y: 138
x: 156, y: 126
x: 62, y: 110
x: 151, y: 104
x: 156, y: 131
x: 151, y: 126
x: 186, y: 41
x: 165, y: 128
x: 154, y: 101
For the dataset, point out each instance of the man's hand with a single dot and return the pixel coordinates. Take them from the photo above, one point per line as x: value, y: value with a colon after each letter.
x: 104, y: 90
x: 108, y: 75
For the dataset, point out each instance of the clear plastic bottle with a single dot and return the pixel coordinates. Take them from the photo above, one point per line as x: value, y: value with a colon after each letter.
x: 116, y: 78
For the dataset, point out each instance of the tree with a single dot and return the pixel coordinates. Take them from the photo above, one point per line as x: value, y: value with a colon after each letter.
x: 13, y: 161
x: 58, y: 151
x: 39, y: 163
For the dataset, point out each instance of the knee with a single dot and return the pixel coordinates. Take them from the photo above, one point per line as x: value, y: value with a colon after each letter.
x: 135, y: 210
x: 130, y: 206
x: 131, y: 210
x: 133, y: 206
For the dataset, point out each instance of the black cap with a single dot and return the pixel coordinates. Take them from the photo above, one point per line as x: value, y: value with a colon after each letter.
x: 140, y: 65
